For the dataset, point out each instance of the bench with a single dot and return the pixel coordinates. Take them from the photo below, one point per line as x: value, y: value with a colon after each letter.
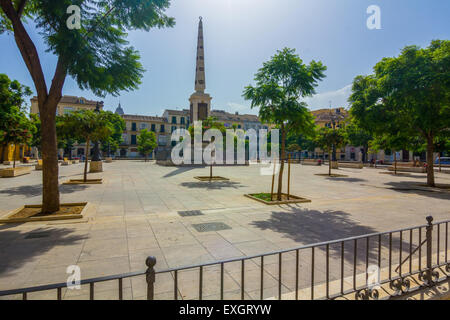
x: 353, y: 165
x: 75, y: 161
x: 108, y: 160
x: 26, y: 160
x: 14, y: 172
x: 312, y: 162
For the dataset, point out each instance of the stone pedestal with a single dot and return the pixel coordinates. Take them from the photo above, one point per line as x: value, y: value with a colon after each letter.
x: 95, y: 166
x: 334, y: 165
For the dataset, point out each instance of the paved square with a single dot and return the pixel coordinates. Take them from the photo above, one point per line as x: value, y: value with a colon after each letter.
x: 136, y: 213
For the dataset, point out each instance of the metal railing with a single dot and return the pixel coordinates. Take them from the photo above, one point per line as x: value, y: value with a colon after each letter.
x: 351, y: 256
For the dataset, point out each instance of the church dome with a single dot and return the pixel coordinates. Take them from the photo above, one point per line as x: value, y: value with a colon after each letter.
x: 119, y: 110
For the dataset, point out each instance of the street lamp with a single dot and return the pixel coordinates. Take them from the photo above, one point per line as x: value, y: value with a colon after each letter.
x: 96, y: 156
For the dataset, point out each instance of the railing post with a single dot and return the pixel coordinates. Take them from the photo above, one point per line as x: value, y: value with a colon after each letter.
x: 429, y: 235
x: 150, y: 276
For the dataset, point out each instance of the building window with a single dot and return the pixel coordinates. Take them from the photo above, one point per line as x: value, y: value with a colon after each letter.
x: 174, y: 120
x: 133, y: 126
x: 239, y: 126
x: 153, y: 127
x: 162, y: 129
x: 182, y: 120
x: 143, y: 126
x: 133, y: 139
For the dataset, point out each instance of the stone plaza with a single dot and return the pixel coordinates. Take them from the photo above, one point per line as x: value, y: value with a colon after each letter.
x: 143, y: 209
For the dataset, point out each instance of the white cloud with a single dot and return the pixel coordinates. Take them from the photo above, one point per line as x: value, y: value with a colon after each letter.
x: 322, y: 100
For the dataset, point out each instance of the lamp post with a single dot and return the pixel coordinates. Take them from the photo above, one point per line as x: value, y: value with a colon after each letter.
x: 96, y: 156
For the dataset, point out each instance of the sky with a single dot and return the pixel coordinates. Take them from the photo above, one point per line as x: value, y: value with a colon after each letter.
x: 242, y: 34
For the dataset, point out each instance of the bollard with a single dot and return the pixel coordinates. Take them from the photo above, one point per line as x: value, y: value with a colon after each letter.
x: 150, y: 276
x: 429, y: 235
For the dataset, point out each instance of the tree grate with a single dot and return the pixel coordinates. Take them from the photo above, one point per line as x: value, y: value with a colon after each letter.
x: 191, y: 213
x: 211, y: 226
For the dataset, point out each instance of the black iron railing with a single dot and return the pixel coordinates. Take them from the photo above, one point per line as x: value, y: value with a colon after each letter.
x: 331, y: 266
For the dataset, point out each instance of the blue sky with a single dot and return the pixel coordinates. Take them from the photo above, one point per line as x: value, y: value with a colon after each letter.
x: 241, y: 34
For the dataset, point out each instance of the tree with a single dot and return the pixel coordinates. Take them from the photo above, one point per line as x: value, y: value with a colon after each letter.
x: 17, y: 130
x: 86, y: 126
x: 358, y: 137
x: 326, y: 138
x: 412, y: 91
x: 280, y: 84
x: 146, y: 142
x: 112, y: 143
x: 96, y: 55
x: 12, y: 97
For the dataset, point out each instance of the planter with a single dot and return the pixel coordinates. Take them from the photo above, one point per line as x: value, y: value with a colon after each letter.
x: 265, y: 198
x: 14, y: 172
x: 408, y: 169
x: 356, y: 165
x: 213, y: 178
x: 311, y: 162
x: 30, y: 213
x: 66, y: 163
x: 81, y: 181
x: 95, y: 166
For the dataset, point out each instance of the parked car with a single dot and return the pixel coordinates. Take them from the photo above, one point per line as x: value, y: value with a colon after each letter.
x: 444, y: 160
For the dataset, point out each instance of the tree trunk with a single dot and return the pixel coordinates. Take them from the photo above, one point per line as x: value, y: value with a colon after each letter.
x: 50, y: 191
x: 47, y: 101
x: 86, y: 162
x: 329, y: 163
x: 210, y: 172
x: 283, y: 155
x: 430, y: 165
x: 14, y: 155
x: 395, y: 162
x: 2, y: 156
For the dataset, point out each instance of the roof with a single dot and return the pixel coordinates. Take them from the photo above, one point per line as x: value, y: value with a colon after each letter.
x: 223, y: 115
x: 75, y: 100
x: 142, y: 118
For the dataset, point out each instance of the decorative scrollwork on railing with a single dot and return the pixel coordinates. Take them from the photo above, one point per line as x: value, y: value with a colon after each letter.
x: 367, y: 294
x: 423, y: 276
x: 400, y: 285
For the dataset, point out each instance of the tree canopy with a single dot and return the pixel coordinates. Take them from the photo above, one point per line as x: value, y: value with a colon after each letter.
x: 280, y: 84
x: 407, y: 97
x: 146, y: 142
x: 96, y: 55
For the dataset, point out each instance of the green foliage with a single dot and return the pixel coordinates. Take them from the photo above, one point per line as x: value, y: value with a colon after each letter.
x: 111, y: 144
x: 36, y: 131
x: 406, y: 101
x: 280, y: 83
x: 146, y: 142
x: 293, y: 147
x: 86, y: 125
x: 12, y: 94
x: 98, y: 55
x: 17, y: 128
x: 326, y: 138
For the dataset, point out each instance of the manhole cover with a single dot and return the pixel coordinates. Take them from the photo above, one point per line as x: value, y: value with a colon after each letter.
x: 190, y: 213
x: 36, y: 235
x: 211, y: 226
